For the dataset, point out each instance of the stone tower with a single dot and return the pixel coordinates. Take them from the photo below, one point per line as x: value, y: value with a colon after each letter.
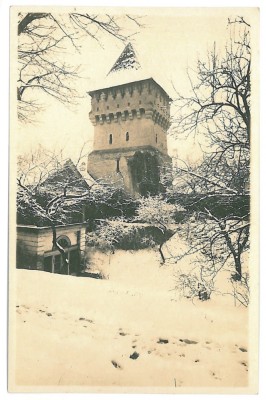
x: 131, y: 115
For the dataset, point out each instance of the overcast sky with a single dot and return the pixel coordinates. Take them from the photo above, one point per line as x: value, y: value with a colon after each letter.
x: 170, y: 42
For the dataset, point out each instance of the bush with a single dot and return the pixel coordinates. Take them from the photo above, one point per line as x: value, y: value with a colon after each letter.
x: 117, y: 235
x: 190, y: 286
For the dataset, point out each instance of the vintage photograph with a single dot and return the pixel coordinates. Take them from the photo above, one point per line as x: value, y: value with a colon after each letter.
x: 133, y: 253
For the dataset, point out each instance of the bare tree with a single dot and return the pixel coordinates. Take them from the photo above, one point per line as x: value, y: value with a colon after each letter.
x: 218, y: 109
x: 42, y: 37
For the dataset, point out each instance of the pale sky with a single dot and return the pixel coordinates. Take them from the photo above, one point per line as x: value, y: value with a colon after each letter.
x: 171, y: 41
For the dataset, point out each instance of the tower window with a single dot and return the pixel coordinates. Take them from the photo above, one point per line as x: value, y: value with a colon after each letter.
x: 117, y: 165
x: 156, y: 138
x: 110, y: 138
x: 140, y: 102
x: 126, y: 114
x: 128, y: 104
x: 107, y: 107
x: 97, y: 108
x: 117, y: 105
x: 127, y: 136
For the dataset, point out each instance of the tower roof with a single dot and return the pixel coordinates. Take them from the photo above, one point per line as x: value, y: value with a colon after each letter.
x: 127, y: 69
x: 126, y: 61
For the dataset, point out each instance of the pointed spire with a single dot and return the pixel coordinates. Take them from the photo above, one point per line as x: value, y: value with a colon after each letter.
x: 126, y: 60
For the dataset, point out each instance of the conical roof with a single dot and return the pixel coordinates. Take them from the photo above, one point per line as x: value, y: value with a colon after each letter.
x: 126, y: 61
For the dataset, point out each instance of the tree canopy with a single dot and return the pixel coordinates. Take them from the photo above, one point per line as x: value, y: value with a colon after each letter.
x: 42, y: 39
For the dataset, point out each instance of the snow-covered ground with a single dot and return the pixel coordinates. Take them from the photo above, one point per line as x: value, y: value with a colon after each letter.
x: 129, y: 330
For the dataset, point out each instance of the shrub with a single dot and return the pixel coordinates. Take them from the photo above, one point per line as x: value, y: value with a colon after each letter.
x: 116, y: 235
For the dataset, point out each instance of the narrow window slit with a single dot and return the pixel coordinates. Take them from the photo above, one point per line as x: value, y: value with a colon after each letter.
x: 117, y: 165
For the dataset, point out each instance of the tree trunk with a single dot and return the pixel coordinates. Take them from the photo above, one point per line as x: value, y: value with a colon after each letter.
x: 238, y: 266
x: 28, y: 19
x: 161, y: 253
x: 62, y: 252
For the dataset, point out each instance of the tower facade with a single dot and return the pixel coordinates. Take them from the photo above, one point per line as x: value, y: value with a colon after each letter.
x: 131, y: 116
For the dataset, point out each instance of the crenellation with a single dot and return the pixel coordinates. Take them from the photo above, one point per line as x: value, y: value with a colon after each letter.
x: 120, y: 98
x: 130, y: 114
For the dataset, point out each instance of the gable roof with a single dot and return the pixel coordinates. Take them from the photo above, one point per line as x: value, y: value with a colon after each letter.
x: 69, y: 175
x: 31, y: 209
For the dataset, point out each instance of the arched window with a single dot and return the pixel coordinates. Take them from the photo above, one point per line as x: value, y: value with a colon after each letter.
x: 127, y: 136
x: 63, y: 241
x: 134, y: 113
x: 110, y: 138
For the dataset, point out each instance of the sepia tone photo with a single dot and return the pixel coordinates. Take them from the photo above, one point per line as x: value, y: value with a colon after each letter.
x: 133, y: 183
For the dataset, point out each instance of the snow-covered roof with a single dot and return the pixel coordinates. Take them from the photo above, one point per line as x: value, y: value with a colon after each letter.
x: 126, y: 61
x: 126, y: 69
x: 82, y: 168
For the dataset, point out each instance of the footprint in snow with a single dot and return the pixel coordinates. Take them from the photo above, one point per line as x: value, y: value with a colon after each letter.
x: 87, y: 320
x: 188, y: 341
x: 134, y: 355
x: 163, y: 341
x: 214, y: 375
x: 243, y: 363
x: 116, y: 365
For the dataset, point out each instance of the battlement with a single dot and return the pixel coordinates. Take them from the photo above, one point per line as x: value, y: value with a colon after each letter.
x: 143, y: 99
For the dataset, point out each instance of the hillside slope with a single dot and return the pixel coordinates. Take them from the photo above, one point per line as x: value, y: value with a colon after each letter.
x: 130, y: 330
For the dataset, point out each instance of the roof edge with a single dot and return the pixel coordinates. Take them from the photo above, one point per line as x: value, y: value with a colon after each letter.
x: 127, y: 83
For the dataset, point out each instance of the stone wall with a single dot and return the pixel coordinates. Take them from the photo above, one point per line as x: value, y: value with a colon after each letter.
x: 129, y: 133
x: 117, y: 166
x: 134, y: 114
x: 128, y: 118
